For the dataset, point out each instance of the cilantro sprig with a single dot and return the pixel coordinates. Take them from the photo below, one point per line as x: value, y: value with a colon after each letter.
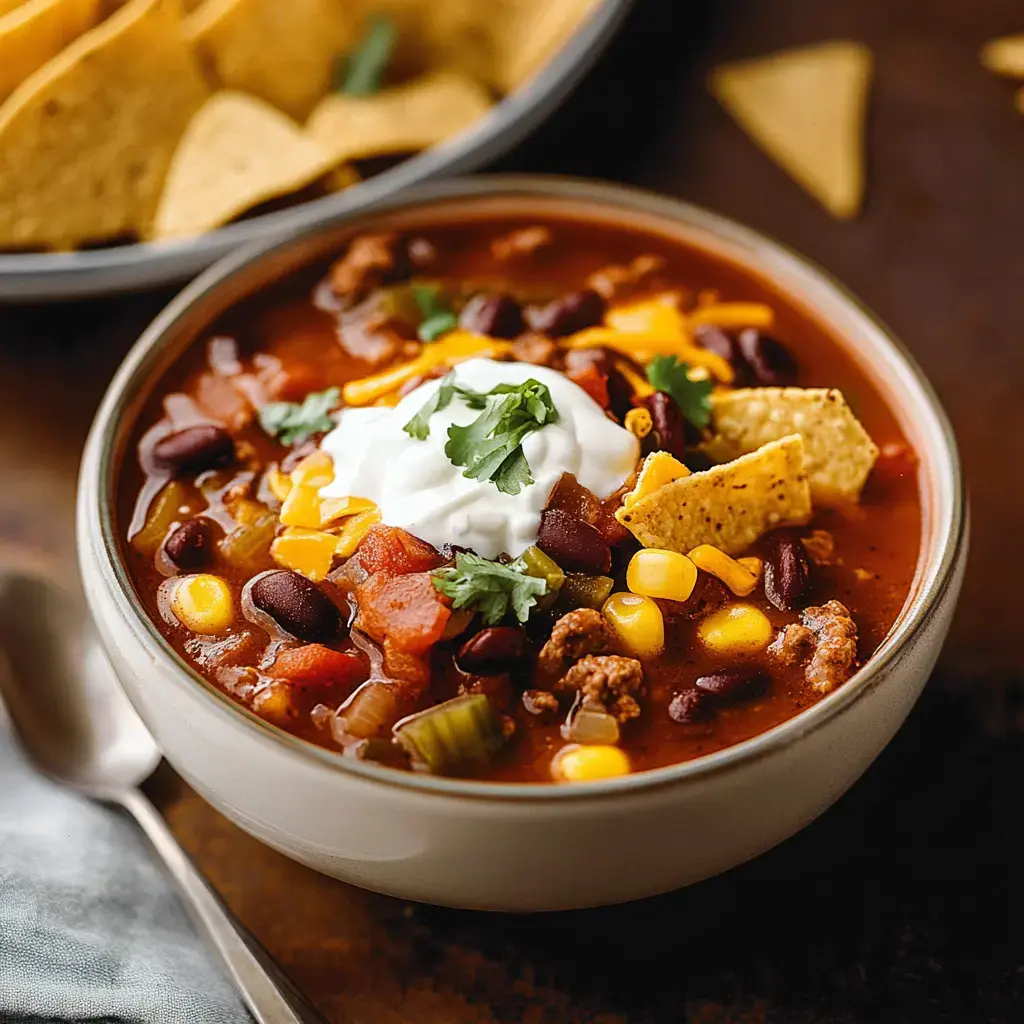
x: 491, y: 588
x: 419, y: 426
x: 360, y: 73
x: 293, y: 422
x: 437, y: 316
x: 666, y: 373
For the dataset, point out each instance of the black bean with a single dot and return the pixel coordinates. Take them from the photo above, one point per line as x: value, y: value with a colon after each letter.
x: 194, y: 449
x: 691, y: 706
x: 668, y: 423
x: 494, y: 649
x: 770, y: 361
x: 787, y: 569
x: 575, y: 545
x: 297, y: 605
x: 190, y: 545
x: 734, y: 684
x: 498, y: 316
x: 573, y: 312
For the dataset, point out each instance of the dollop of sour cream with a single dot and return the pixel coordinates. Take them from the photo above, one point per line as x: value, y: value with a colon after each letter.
x: 417, y: 488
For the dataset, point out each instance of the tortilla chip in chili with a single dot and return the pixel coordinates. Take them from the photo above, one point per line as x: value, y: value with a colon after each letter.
x: 839, y: 453
x: 236, y: 153
x: 730, y: 506
x: 85, y: 143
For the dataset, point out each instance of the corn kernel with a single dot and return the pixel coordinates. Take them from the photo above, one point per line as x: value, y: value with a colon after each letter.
x: 737, y: 577
x: 202, y: 603
x: 637, y: 622
x: 279, y: 483
x: 638, y: 422
x: 316, y: 470
x: 736, y: 629
x: 353, y: 531
x: 335, y: 508
x: 307, y: 551
x: 301, y: 507
x: 656, y: 572
x: 587, y: 764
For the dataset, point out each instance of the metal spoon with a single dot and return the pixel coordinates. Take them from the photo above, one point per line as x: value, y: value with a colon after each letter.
x: 75, y: 722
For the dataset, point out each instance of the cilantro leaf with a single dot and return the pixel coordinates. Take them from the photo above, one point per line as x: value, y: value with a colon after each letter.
x: 490, y: 448
x: 364, y: 68
x: 419, y: 426
x: 666, y: 373
x: 292, y: 423
x: 438, y: 317
x: 491, y: 588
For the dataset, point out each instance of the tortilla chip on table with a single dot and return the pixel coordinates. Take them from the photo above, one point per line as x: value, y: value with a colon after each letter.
x: 86, y: 141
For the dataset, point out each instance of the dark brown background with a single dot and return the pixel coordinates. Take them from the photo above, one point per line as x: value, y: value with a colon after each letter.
x: 903, y: 903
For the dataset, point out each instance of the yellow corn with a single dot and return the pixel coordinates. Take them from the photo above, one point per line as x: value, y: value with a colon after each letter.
x: 587, y: 764
x: 353, y: 531
x: 637, y: 622
x: 301, y: 507
x: 336, y: 508
x: 736, y: 576
x: 734, y: 314
x: 658, y: 316
x: 202, y: 603
x: 736, y: 629
x: 639, y: 422
x: 316, y: 470
x: 279, y: 483
x: 656, y: 572
x: 310, y: 552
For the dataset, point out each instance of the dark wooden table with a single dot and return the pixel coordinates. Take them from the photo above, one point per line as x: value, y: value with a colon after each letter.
x: 904, y: 902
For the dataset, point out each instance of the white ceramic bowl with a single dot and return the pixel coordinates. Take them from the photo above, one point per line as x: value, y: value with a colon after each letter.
x: 524, y: 847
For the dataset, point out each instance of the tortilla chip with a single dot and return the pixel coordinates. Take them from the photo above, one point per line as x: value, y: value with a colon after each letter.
x: 658, y: 469
x: 34, y: 32
x: 401, y: 119
x: 1005, y: 56
x: 730, y: 506
x: 283, y: 51
x: 806, y: 109
x: 236, y: 153
x: 85, y: 143
x: 839, y: 452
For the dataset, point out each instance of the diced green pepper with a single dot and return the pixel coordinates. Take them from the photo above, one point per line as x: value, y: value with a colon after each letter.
x: 582, y: 591
x: 442, y: 737
x: 248, y: 544
x: 544, y: 567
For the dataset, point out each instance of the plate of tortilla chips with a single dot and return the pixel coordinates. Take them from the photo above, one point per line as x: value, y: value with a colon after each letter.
x: 140, y: 140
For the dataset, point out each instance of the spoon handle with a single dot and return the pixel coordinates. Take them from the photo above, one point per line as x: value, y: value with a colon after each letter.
x: 259, y: 991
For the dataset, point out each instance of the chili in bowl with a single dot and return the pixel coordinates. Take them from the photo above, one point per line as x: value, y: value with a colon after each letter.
x: 514, y: 517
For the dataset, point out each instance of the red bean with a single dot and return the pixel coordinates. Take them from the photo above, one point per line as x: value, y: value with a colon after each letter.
x: 566, y: 315
x: 297, y: 605
x: 190, y: 545
x: 715, y: 340
x: 575, y: 545
x: 494, y: 649
x: 690, y: 707
x: 497, y: 316
x: 787, y: 570
x: 734, y: 684
x: 668, y: 423
x: 769, y: 360
x: 194, y: 449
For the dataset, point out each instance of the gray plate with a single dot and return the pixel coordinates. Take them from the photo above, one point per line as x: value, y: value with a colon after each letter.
x: 32, y: 277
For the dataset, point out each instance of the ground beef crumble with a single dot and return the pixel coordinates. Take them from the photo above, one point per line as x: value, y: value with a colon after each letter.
x: 540, y: 702
x: 523, y: 242
x: 370, y: 261
x: 826, y: 639
x: 577, y: 633
x: 820, y: 545
x: 607, y: 680
x: 617, y: 280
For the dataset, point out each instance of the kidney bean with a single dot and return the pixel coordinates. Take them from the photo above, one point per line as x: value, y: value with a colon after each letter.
x: 769, y: 360
x: 194, y: 449
x: 494, y: 649
x: 667, y: 423
x: 734, y: 684
x: 297, y: 605
x: 691, y: 706
x: 498, y: 316
x: 787, y: 570
x: 189, y: 546
x: 572, y: 312
x: 715, y: 340
x: 575, y: 545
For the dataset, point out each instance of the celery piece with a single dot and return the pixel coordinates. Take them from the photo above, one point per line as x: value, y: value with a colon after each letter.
x: 442, y: 737
x: 582, y: 591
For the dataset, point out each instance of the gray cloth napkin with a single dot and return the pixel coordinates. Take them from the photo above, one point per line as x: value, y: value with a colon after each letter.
x: 90, y: 929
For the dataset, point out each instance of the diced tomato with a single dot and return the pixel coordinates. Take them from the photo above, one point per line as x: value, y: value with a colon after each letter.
x: 593, y: 381
x: 316, y: 665
x: 399, y: 664
x: 407, y: 611
x: 395, y: 552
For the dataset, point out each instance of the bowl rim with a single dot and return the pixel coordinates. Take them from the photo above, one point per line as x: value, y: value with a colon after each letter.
x: 933, y: 576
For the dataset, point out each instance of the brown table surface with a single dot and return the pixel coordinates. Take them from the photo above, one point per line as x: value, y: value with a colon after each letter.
x: 902, y: 903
